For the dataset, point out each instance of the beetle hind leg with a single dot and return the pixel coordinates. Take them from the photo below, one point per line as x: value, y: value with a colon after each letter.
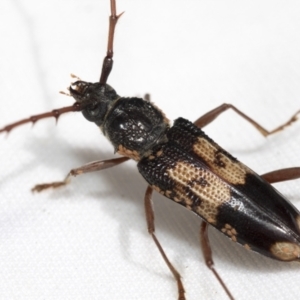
x: 282, y: 175
x: 213, y: 114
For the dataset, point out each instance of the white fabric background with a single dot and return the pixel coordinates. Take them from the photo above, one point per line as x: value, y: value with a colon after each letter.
x: 89, y: 240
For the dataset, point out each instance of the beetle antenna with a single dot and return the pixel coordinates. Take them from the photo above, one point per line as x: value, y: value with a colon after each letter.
x: 33, y: 119
x: 106, y: 69
x: 108, y: 59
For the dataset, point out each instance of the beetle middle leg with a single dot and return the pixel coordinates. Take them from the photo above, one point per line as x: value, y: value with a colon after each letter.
x: 204, y: 239
x: 207, y: 253
x: 151, y: 229
x: 91, y: 167
x: 213, y: 114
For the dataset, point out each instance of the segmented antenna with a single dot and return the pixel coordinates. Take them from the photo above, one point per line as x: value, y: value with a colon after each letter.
x: 108, y: 59
x: 106, y: 69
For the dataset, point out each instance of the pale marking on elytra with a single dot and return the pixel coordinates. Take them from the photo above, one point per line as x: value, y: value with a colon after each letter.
x: 210, y: 196
x: 230, y: 231
x: 247, y: 247
x: 233, y: 171
x: 285, y: 251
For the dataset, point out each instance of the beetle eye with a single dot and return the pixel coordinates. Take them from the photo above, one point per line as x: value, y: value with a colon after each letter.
x: 93, y: 109
x: 94, y: 112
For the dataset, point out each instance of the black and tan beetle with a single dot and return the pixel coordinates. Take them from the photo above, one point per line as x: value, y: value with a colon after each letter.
x: 181, y: 162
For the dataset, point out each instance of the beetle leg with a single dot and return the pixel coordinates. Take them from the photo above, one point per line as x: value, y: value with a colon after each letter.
x: 151, y: 229
x: 211, y: 115
x: 207, y: 253
x: 91, y: 167
x: 282, y: 175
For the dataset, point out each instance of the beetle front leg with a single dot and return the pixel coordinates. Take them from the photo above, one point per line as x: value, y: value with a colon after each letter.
x: 207, y: 253
x: 213, y: 114
x: 151, y: 229
x: 91, y: 167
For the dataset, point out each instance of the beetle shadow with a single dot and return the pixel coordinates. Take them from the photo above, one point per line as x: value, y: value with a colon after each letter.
x: 28, y: 23
x: 125, y: 187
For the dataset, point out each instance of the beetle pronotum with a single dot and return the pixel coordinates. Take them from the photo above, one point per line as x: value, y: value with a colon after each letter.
x: 9, y: 161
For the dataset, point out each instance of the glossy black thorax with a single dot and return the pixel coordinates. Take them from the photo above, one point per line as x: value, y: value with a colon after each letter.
x: 135, y: 124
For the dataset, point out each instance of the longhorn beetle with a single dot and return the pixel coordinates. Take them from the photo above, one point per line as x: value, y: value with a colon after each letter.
x: 183, y: 164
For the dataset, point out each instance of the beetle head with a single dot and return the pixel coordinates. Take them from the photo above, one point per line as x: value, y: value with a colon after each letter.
x: 94, y: 98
